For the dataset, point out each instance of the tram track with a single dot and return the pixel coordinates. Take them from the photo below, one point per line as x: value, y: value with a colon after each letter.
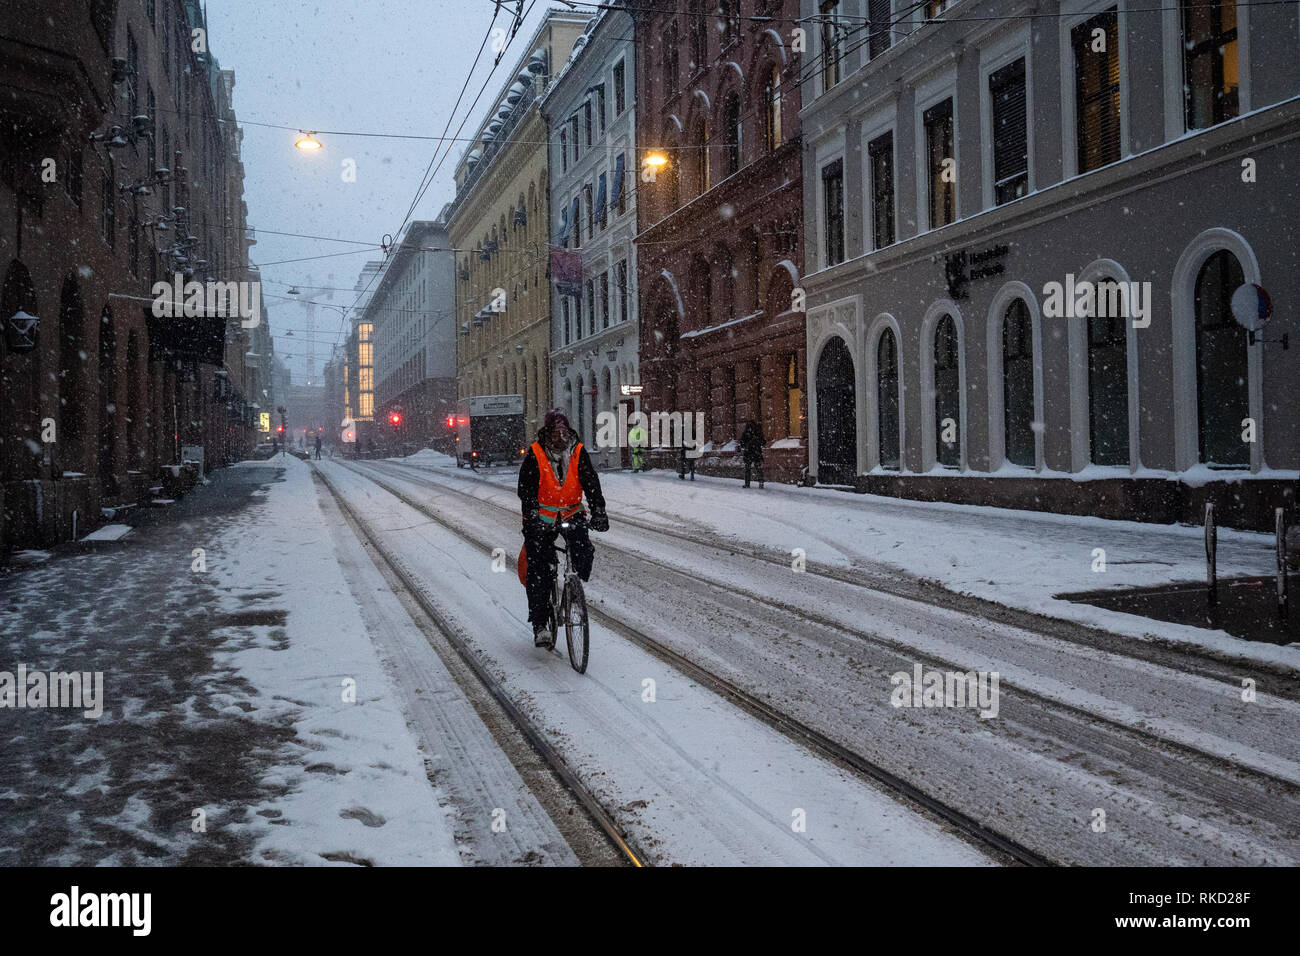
x: 1270, y: 677
x: 1137, y: 735
x: 1209, y: 776
x: 446, y: 631
x: 1002, y: 846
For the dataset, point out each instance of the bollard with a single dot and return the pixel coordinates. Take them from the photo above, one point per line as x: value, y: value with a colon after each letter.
x: 1211, y: 556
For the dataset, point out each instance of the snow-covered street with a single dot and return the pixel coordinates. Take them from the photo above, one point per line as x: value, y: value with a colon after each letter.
x: 330, y: 662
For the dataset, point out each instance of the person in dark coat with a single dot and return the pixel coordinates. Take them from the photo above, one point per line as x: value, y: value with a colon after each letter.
x: 555, y: 474
x: 318, y: 447
x: 751, y: 449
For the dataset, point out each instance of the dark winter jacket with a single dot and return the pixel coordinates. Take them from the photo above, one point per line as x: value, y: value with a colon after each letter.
x: 751, y: 442
x: 529, y: 477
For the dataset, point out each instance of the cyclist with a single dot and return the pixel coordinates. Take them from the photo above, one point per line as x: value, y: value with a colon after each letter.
x: 552, y: 480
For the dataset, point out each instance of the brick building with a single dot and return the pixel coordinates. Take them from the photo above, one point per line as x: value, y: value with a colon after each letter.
x: 719, y: 253
x: 115, y: 171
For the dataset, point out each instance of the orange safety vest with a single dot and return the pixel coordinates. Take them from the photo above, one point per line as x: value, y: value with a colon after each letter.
x: 556, y: 501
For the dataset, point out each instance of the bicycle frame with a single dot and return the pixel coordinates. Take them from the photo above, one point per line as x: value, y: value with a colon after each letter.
x: 568, y: 602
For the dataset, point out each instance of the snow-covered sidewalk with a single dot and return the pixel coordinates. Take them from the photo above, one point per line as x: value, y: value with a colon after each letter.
x: 247, y: 717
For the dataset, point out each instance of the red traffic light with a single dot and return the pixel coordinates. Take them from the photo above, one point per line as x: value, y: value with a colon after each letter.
x: 395, y: 418
x: 279, y: 429
x: 451, y: 421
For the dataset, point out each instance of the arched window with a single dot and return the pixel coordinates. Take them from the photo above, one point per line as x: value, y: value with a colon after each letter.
x: 772, y: 109
x: 1107, y: 385
x: 732, y: 124
x: 73, y: 355
x: 1222, y: 376
x: 725, y: 286
x: 701, y: 157
x: 947, y: 394
x: 887, y: 421
x: 108, y: 407
x: 702, y: 286
x: 1018, y: 384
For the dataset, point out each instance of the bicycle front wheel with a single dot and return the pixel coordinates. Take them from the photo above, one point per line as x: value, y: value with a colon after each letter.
x: 576, y: 630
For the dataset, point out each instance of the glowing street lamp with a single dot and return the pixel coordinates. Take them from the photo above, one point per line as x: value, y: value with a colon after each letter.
x: 307, y: 141
x: 656, y: 160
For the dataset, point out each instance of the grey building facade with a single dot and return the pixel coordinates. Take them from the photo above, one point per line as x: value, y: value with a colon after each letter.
x: 413, y: 309
x: 1024, y: 226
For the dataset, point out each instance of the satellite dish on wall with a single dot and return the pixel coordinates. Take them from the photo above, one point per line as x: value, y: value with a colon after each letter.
x: 1251, y: 306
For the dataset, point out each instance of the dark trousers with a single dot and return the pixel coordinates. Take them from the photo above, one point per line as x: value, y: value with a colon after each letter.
x: 540, y: 548
x: 687, y: 464
x: 757, y: 466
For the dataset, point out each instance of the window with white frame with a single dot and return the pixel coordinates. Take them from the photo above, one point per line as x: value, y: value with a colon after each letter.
x: 1095, y: 43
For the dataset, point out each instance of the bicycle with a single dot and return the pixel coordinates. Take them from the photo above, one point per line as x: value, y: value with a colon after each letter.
x: 569, y: 605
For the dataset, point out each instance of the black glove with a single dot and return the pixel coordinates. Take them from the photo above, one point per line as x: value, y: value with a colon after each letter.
x: 533, y: 525
x: 599, y: 521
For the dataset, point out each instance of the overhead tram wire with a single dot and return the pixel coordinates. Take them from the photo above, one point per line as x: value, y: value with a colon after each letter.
x: 419, y: 191
x: 428, y: 179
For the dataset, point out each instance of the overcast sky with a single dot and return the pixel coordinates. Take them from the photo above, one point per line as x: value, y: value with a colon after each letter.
x: 381, y: 66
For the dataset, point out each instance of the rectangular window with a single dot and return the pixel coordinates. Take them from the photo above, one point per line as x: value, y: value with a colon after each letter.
x: 591, y: 208
x: 1010, y: 132
x: 934, y: 8
x: 72, y: 178
x: 793, y: 398
x: 132, y: 76
x: 620, y: 88
x: 133, y: 241
x: 941, y: 162
x: 880, y: 152
x: 108, y: 209
x: 620, y: 192
x: 167, y: 40
x: 591, y: 307
x: 586, y: 119
x: 833, y: 207
x: 567, y: 309
x: 832, y: 50
x: 153, y: 135
x: 601, y: 204
x: 881, y: 37
x: 623, y: 291
x: 573, y: 134
x: 604, y: 300
x: 564, y: 152
x: 1096, y: 106
x: 1210, y: 62
x: 600, y: 107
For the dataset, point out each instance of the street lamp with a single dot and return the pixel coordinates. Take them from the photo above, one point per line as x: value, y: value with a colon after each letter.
x: 656, y: 159
x: 307, y: 141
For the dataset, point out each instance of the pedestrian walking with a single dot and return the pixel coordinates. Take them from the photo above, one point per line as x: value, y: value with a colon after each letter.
x: 318, y: 447
x: 751, y: 449
x: 637, y: 438
x: 687, y: 462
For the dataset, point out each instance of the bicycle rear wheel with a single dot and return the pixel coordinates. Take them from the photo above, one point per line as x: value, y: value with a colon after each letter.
x: 576, y: 629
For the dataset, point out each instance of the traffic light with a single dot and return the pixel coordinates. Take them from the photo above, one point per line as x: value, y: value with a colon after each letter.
x: 279, y: 429
x: 395, y: 419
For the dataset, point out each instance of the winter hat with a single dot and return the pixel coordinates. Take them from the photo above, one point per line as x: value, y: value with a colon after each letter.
x: 555, y: 417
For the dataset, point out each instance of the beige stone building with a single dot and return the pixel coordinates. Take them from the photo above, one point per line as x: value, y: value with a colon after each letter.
x: 499, y: 225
